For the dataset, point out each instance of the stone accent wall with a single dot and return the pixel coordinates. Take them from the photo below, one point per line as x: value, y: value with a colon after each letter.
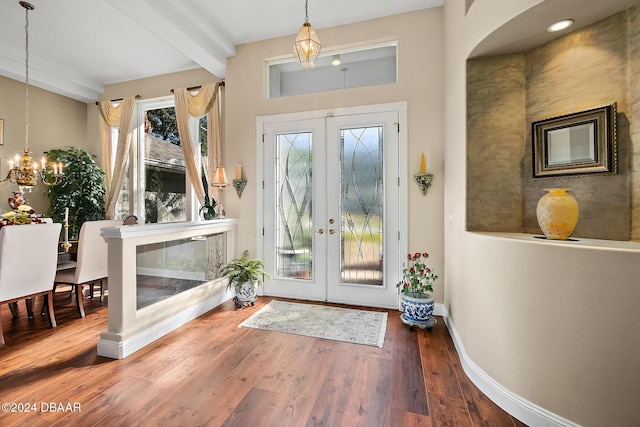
x: 585, y: 69
x: 495, y: 131
x: 634, y: 113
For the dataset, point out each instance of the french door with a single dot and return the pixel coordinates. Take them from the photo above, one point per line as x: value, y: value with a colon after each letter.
x: 331, y: 206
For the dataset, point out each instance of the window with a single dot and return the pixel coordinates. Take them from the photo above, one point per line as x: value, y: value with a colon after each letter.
x: 156, y: 187
x: 364, y: 66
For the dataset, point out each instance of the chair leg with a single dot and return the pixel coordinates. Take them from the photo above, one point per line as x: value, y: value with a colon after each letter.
x: 46, y: 299
x: 1, y: 334
x: 13, y: 306
x: 79, y: 295
x: 29, y: 303
x: 102, y: 283
x: 52, y: 315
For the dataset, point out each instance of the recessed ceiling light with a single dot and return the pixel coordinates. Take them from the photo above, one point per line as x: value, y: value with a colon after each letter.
x: 560, y: 25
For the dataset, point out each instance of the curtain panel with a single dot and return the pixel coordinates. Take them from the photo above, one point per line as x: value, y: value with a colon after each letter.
x: 114, y: 164
x: 206, y: 101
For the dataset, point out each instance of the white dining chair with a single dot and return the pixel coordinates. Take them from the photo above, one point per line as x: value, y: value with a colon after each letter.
x: 91, y: 264
x: 28, y: 258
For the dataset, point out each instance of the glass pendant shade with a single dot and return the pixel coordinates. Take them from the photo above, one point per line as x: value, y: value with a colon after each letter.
x: 307, y: 46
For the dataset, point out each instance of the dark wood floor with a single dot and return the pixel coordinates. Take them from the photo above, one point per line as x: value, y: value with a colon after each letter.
x: 210, y: 372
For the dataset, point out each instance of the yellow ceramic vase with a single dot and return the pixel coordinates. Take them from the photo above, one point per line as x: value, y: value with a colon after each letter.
x: 557, y: 213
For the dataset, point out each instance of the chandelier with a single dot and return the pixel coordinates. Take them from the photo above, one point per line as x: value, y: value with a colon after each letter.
x: 307, y: 45
x: 23, y: 171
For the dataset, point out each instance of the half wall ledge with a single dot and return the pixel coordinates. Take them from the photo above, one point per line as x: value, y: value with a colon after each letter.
x: 150, y: 252
x: 572, y: 242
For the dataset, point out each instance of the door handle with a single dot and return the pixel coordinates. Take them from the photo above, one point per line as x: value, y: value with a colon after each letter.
x: 321, y: 231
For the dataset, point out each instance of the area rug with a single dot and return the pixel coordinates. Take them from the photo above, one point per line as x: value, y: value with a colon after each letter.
x: 332, y: 323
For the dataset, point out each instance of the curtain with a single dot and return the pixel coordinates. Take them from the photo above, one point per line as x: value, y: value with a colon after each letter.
x: 119, y: 117
x: 214, y: 138
x: 188, y: 105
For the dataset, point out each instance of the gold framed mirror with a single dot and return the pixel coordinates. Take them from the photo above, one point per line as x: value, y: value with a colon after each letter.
x: 577, y: 143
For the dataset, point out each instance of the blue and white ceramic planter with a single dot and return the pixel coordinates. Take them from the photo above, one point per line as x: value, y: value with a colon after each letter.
x: 416, y: 310
x: 246, y: 293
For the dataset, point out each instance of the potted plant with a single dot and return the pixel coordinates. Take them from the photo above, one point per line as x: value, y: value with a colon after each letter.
x: 244, y: 275
x: 82, y: 189
x: 415, y: 288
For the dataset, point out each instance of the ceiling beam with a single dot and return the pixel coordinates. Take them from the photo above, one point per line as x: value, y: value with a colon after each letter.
x: 184, y: 27
x: 50, y: 77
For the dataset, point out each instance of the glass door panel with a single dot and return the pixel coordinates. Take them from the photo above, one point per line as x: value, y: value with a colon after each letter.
x: 362, y: 200
x: 361, y: 205
x: 294, y: 247
x: 294, y: 219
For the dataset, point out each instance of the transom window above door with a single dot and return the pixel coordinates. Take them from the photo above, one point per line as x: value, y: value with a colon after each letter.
x: 339, y: 69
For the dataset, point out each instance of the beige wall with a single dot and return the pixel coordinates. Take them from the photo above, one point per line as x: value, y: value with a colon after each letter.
x: 420, y: 79
x: 553, y: 324
x: 55, y: 121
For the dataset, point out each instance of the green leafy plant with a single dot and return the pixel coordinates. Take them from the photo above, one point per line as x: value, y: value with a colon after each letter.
x: 82, y: 189
x: 243, y: 270
x: 417, y: 278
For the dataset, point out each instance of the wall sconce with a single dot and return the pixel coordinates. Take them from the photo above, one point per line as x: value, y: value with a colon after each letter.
x: 238, y: 183
x: 423, y: 179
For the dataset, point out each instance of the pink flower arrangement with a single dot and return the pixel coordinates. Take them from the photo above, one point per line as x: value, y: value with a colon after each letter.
x: 417, y: 278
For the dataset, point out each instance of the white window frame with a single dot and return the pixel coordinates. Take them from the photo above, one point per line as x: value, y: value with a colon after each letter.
x: 137, y: 160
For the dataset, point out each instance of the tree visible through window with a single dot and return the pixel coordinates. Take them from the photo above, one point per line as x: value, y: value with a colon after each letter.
x: 162, y: 124
x: 165, y: 172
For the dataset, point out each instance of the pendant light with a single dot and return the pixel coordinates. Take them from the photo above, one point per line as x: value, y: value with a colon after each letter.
x: 307, y: 45
x: 23, y: 171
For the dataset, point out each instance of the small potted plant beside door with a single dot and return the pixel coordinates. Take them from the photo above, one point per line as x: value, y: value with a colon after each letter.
x: 244, y: 275
x: 416, y: 287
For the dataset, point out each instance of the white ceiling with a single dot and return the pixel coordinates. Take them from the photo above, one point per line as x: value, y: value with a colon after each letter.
x: 76, y: 47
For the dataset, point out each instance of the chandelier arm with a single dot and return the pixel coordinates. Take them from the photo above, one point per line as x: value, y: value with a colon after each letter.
x: 8, y: 178
x: 57, y: 179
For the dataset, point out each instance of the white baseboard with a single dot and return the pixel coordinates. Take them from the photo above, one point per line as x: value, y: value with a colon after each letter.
x: 518, y: 407
x: 119, y: 349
